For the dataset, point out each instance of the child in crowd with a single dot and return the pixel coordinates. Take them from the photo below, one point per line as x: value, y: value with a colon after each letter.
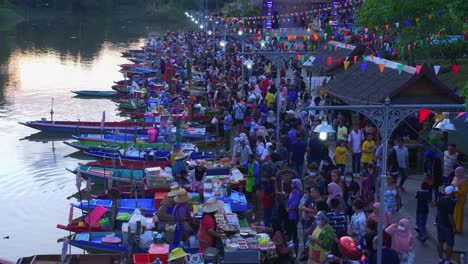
x: 341, y: 152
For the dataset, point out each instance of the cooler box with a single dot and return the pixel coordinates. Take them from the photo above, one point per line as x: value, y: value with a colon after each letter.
x: 158, y: 197
x: 160, y: 251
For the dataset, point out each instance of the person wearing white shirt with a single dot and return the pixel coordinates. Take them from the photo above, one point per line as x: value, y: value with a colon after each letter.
x: 403, y: 162
x: 355, y: 139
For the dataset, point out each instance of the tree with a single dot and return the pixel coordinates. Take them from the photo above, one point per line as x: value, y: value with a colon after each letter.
x: 425, y: 24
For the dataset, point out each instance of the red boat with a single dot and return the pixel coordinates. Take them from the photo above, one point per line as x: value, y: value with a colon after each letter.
x: 79, y: 127
x: 127, y: 164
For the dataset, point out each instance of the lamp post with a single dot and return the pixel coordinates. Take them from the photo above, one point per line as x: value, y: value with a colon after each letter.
x: 278, y: 56
x: 249, y: 63
x: 223, y: 44
x: 386, y: 118
x: 308, y: 67
x: 241, y: 32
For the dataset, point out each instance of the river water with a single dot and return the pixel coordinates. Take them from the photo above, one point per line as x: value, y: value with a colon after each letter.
x: 41, y: 60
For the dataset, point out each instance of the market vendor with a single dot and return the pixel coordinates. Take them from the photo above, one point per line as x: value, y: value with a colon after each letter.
x: 197, y: 178
x: 177, y: 256
x: 207, y: 233
x: 164, y: 212
x: 183, y: 215
x: 179, y: 169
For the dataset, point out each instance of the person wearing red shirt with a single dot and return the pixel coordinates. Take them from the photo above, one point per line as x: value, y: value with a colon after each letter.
x: 207, y: 233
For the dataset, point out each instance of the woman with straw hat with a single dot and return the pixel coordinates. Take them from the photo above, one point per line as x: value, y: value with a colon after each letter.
x: 207, y: 231
x: 183, y: 214
x: 177, y: 256
x: 178, y: 166
x: 167, y: 204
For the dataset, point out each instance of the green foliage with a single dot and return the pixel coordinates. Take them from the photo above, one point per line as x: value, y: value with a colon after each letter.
x: 241, y: 8
x: 429, y: 36
x: 7, y: 14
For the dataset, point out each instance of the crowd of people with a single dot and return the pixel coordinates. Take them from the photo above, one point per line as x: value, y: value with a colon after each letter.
x: 295, y: 176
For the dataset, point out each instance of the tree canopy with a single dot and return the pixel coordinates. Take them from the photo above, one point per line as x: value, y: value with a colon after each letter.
x: 427, y: 24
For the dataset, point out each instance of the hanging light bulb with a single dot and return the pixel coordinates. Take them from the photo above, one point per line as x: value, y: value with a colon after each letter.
x: 323, y: 136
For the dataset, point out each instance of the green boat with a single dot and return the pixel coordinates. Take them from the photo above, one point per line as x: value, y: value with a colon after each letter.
x: 88, y: 145
x: 92, y: 93
x: 102, y: 175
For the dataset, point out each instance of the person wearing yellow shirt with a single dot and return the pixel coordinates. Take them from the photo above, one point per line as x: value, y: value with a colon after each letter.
x: 270, y: 98
x: 368, y: 150
x: 341, y: 152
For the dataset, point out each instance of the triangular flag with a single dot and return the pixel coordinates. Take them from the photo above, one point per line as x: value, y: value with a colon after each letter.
x: 355, y: 59
x: 363, y: 66
x: 329, y: 61
x: 366, y: 29
x: 381, y: 67
x: 397, y: 24
x: 376, y: 28
x: 455, y: 69
x: 430, y: 16
x: 386, y: 27
x: 400, y: 68
x: 330, y: 47
x: 346, y: 64
x: 320, y: 58
x: 423, y: 114
x: 409, y: 47
x: 418, y: 68
x: 460, y: 114
x: 436, y: 69
x: 417, y: 19
x: 439, y: 117
x: 338, y: 59
x: 336, y: 47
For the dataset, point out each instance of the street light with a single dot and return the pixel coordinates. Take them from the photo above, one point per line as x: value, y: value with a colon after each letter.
x: 240, y: 32
x: 196, y: 21
x: 249, y: 63
x: 201, y: 26
x: 308, y: 66
x: 445, y: 125
x: 262, y: 43
x: 323, y: 129
x: 209, y: 32
x: 222, y: 43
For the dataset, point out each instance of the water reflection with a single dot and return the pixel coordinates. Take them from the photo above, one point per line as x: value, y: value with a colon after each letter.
x: 38, y: 61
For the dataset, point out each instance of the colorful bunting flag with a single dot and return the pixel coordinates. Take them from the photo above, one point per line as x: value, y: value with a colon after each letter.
x: 363, y: 66
x: 455, y: 69
x: 418, y: 68
x: 400, y: 68
x: 381, y: 67
x: 423, y: 114
x: 460, y: 114
x: 436, y: 69
x: 397, y: 24
x: 329, y: 61
x: 346, y: 65
x: 355, y: 59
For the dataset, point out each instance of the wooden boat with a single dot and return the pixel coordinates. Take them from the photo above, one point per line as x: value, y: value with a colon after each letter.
x: 112, y: 137
x: 87, y: 145
x: 102, y: 175
x: 94, y: 242
x: 74, y: 258
x: 126, y: 164
x: 91, y: 93
x: 146, y: 205
x: 131, y: 154
x: 86, y: 223
x: 78, y: 127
